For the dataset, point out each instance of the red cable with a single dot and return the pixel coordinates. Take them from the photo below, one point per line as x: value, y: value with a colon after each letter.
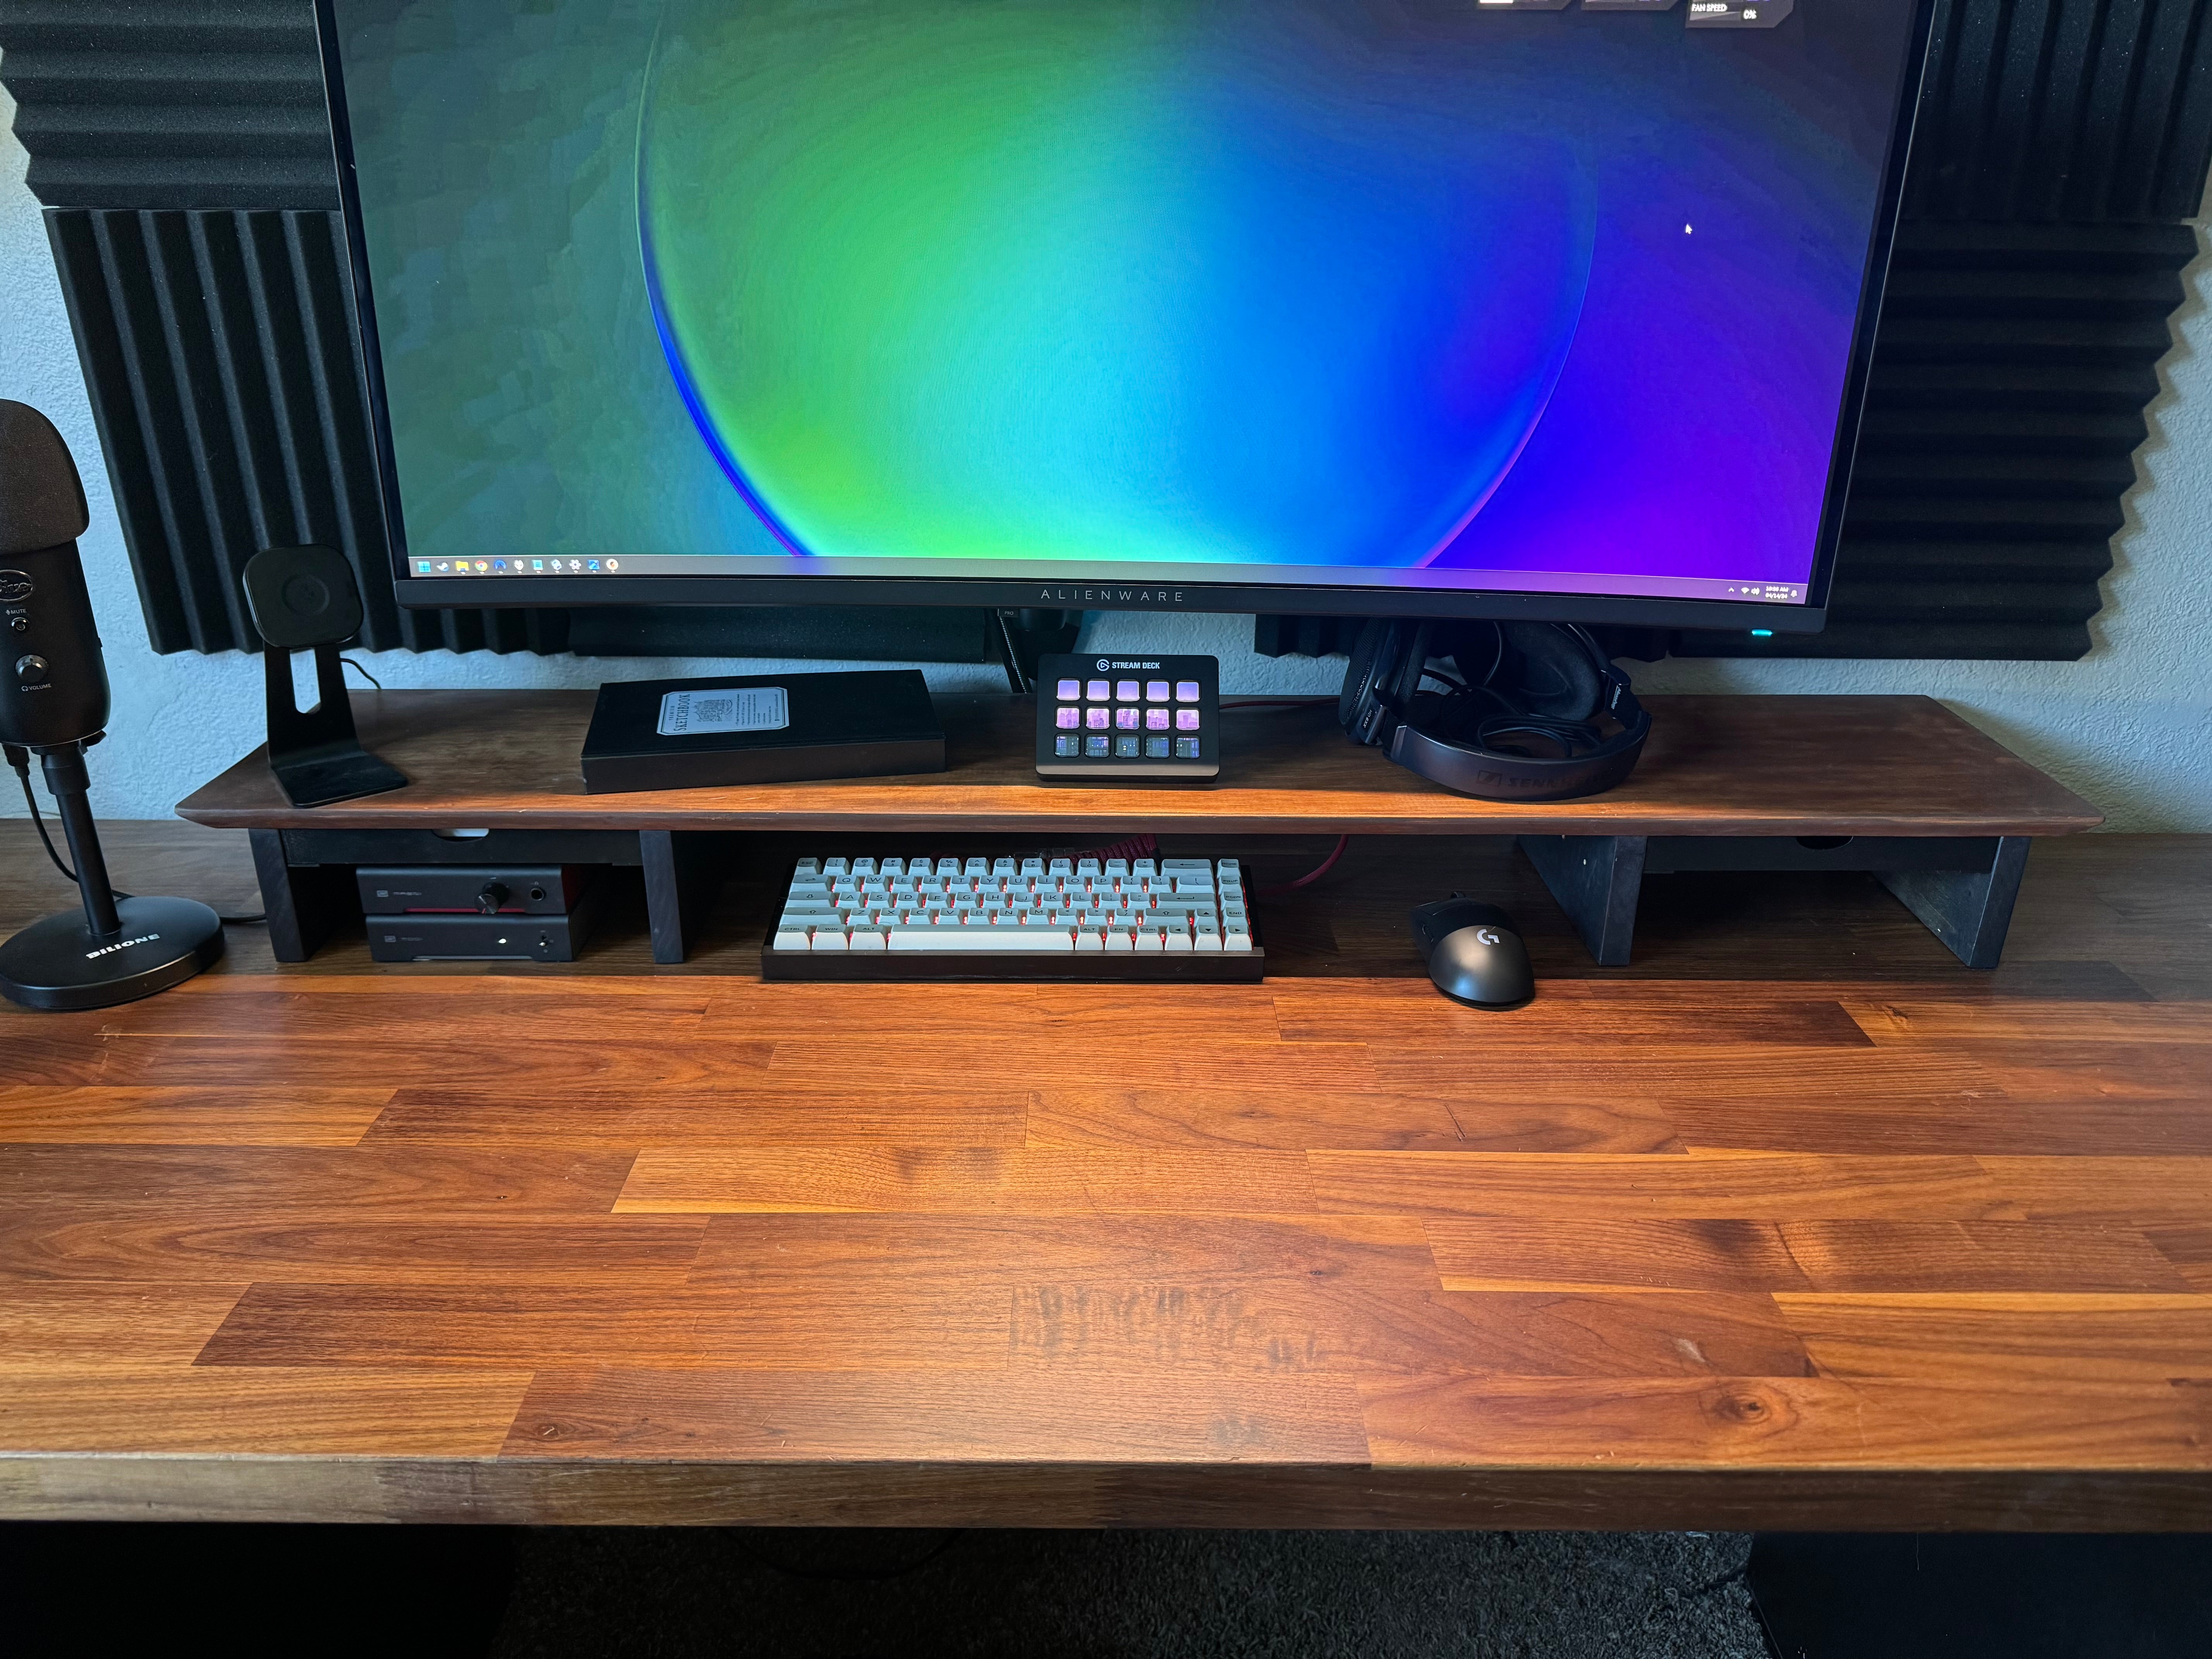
x: 1311, y: 876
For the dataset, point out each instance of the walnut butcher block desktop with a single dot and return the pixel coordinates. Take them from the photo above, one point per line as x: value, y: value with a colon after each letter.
x: 1796, y: 1225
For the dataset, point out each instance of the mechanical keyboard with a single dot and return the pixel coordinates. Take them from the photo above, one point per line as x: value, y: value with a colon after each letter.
x: 1003, y: 917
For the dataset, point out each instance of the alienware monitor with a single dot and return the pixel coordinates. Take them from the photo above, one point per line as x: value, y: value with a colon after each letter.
x: 1428, y: 307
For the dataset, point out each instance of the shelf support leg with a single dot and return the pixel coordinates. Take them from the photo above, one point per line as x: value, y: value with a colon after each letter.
x: 1970, y: 910
x: 1596, y: 881
x: 305, y: 904
x: 683, y: 872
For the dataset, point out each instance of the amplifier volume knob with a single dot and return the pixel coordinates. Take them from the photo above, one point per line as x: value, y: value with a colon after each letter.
x: 493, y: 896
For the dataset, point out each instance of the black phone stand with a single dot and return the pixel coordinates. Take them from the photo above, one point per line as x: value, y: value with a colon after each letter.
x: 317, y: 755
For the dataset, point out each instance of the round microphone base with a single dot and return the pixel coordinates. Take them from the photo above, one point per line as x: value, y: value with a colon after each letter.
x: 58, y: 963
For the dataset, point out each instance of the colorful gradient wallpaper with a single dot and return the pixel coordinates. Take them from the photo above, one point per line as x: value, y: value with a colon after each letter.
x: 1414, y: 293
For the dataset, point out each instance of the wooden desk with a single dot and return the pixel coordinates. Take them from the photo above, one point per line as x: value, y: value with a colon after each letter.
x: 1897, y: 785
x: 1797, y: 1224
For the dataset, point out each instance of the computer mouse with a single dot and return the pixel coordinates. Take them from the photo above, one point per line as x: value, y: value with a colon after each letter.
x: 1475, y: 953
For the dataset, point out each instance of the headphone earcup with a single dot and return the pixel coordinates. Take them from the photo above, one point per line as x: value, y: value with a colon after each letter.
x: 1359, y: 676
x: 1548, y: 671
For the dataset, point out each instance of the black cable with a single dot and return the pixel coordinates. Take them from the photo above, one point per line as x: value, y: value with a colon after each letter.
x: 30, y: 799
x: 1711, y: 1585
x: 1573, y: 737
x: 362, y: 671
x: 21, y: 760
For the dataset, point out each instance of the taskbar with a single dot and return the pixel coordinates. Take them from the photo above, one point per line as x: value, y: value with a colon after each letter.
x: 1155, y: 587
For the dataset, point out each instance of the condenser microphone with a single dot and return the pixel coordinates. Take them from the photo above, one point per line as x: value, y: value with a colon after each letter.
x: 53, y: 703
x: 53, y: 684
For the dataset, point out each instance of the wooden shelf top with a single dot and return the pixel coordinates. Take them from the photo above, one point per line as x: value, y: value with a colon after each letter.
x: 1796, y: 1225
x: 1715, y: 765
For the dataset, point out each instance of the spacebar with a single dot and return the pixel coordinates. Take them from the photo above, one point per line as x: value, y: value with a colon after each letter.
x: 935, y: 939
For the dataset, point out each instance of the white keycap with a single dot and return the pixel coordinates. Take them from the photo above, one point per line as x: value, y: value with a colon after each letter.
x: 866, y: 940
x: 1033, y: 869
x: 1117, y: 867
x: 837, y: 866
x: 1178, y: 941
x: 828, y: 938
x: 1002, y: 866
x: 894, y: 866
x: 975, y: 867
x: 1088, y: 941
x: 790, y: 938
x: 1143, y: 867
x: 1086, y: 866
x: 985, y: 939
x: 863, y: 866
x: 1148, y: 940
x: 1206, y: 942
x: 1118, y: 941
x: 1236, y: 942
x: 810, y: 867
x: 1062, y: 867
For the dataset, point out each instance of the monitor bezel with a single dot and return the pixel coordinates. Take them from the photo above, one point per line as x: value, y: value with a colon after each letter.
x: 1115, y: 590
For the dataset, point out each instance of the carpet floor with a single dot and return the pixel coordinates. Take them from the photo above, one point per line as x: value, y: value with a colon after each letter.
x: 798, y: 1594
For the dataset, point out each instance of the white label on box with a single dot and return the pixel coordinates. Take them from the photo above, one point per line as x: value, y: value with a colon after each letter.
x: 732, y: 709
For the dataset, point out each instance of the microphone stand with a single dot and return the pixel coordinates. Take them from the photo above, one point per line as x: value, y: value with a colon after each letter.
x: 68, y: 781
x: 119, y: 949
x: 54, y: 705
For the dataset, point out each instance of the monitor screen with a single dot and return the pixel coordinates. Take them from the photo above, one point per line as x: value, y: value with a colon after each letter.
x: 1416, y: 307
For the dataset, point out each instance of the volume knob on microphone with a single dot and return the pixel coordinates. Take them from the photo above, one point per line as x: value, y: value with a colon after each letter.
x: 30, y: 670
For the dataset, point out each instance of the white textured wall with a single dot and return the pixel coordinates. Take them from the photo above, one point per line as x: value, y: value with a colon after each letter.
x: 2131, y: 726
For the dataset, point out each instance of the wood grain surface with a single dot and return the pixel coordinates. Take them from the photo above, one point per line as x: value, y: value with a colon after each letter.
x: 1795, y: 1224
x: 1714, y: 765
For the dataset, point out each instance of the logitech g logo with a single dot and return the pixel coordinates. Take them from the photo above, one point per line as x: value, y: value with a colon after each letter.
x: 1486, y: 936
x: 1104, y: 664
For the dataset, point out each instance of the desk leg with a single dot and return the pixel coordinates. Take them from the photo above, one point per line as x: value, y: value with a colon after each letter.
x: 1968, y: 910
x: 1596, y: 880
x: 682, y: 873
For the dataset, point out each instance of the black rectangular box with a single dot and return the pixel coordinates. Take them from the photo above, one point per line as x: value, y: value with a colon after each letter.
x: 483, y: 889
x: 761, y: 728
x: 449, y: 937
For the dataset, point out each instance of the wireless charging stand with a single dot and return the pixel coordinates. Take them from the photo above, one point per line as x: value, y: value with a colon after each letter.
x: 306, y: 598
x: 114, y: 950
x: 317, y: 754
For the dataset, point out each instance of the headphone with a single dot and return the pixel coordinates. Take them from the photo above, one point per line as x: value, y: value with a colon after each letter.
x: 1515, y: 719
